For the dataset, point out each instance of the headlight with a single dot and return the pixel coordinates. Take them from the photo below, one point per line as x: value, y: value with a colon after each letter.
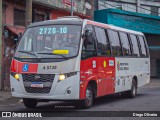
x: 15, y: 75
x: 66, y: 75
x: 62, y: 77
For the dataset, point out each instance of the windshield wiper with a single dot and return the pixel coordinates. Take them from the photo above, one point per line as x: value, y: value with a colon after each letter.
x: 31, y: 53
x: 54, y: 54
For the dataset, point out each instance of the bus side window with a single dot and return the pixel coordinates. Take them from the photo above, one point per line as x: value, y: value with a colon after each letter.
x: 142, y: 46
x: 88, y: 48
x: 115, y: 43
x: 125, y: 44
x: 103, y: 45
x: 135, y: 47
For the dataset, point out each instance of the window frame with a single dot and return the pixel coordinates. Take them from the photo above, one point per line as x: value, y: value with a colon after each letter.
x: 15, y: 20
x: 94, y: 40
x: 111, y: 44
x: 144, y: 46
x: 132, y: 45
x: 129, y: 43
x: 107, y: 40
x: 129, y: 40
x: 37, y: 15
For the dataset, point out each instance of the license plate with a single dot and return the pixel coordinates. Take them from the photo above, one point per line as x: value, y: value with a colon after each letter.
x: 36, y: 85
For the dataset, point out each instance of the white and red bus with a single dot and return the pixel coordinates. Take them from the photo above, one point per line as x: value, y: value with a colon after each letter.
x: 74, y: 59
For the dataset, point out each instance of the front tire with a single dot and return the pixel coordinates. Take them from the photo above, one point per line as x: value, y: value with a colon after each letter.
x: 30, y: 103
x: 88, y: 102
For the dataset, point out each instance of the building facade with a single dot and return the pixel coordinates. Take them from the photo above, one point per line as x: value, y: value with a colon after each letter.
x: 151, y: 7
x: 14, y: 23
x: 82, y: 8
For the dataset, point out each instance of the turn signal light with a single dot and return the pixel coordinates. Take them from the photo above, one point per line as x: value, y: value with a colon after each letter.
x: 16, y: 76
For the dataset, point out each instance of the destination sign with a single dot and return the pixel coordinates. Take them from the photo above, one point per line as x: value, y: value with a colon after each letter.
x: 53, y: 30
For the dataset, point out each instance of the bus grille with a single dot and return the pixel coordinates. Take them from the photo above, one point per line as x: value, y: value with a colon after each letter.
x: 38, y: 90
x: 38, y: 77
x: 44, y: 78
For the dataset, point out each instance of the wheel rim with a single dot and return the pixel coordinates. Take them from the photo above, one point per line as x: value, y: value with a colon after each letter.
x: 88, y: 97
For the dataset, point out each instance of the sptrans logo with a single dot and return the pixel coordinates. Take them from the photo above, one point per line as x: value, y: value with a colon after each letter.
x: 122, y: 66
x: 118, y: 65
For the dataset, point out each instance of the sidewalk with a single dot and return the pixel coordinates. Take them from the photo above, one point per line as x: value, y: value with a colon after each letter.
x: 153, y: 83
x: 7, y: 100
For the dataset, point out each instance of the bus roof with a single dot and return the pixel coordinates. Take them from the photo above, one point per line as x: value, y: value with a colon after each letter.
x: 57, y: 21
x: 112, y: 27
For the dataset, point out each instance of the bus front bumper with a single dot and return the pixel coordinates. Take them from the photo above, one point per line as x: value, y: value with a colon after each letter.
x: 63, y: 90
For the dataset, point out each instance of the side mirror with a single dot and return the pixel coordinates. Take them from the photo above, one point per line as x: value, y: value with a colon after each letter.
x: 87, y: 33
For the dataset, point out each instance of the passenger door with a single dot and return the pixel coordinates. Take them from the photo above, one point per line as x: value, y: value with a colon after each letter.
x: 106, y: 83
x: 89, y: 60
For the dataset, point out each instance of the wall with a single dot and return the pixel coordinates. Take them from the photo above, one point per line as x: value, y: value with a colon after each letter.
x: 61, y: 13
x: 9, y: 12
x: 154, y: 40
x: 153, y: 68
x: 130, y: 5
x: 8, y: 21
x: 80, y: 6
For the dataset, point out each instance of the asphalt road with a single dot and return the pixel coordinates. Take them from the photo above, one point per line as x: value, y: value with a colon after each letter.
x: 148, y: 99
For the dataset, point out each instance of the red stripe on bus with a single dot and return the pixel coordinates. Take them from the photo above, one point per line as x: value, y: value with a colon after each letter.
x: 101, y: 70
x: 17, y: 67
x: 98, y: 24
x: 14, y: 65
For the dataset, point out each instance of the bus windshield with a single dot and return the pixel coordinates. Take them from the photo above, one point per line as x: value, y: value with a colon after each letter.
x: 41, y: 41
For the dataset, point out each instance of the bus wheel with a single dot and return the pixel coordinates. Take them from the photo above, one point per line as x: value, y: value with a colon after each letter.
x: 30, y: 103
x: 133, y: 92
x: 88, y: 102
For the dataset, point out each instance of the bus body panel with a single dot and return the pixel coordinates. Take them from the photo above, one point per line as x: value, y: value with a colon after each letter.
x: 127, y: 68
x: 139, y: 67
x: 101, y: 70
x: 48, y: 68
x: 59, y: 93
